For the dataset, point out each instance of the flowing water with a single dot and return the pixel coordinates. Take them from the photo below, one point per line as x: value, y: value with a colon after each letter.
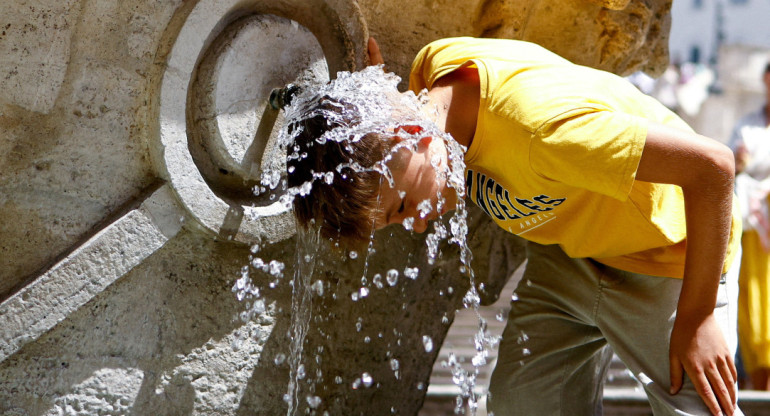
x: 375, y: 104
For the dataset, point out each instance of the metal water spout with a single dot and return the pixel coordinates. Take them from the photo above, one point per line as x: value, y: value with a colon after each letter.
x: 281, y: 97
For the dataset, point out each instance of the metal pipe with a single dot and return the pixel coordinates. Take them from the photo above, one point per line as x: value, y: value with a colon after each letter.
x: 281, y: 97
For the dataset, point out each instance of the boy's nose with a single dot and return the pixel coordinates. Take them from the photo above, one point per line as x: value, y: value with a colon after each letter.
x: 420, y: 224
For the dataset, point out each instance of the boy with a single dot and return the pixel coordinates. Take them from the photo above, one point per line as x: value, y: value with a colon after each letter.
x: 628, y: 215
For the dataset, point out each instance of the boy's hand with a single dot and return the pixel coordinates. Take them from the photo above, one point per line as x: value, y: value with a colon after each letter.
x: 375, y: 56
x: 699, y: 348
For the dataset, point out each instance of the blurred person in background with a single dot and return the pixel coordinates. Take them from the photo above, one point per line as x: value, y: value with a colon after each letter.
x: 750, y: 142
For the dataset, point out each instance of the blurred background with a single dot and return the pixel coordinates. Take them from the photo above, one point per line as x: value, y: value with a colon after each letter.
x: 718, y: 51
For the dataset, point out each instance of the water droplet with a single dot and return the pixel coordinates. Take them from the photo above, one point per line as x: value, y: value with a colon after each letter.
x: 276, y: 268
x: 500, y: 316
x: 392, y: 277
x: 241, y: 283
x: 424, y: 208
x: 452, y: 359
x: 479, y: 359
x: 366, y: 379
x: 279, y: 359
x: 258, y: 263
x: 353, y: 254
x: 408, y: 223
x: 363, y: 292
x: 313, y: 401
x: 377, y: 280
x: 258, y: 307
x: 411, y: 272
x: 428, y: 343
x: 318, y: 287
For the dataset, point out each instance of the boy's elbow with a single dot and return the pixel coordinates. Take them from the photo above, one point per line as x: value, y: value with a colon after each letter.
x: 715, y: 173
x: 724, y: 161
x: 712, y: 169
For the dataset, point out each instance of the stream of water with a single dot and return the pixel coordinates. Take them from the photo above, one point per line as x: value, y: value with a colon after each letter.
x: 374, y: 103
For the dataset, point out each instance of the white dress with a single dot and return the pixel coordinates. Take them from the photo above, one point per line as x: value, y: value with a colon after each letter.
x: 753, y: 184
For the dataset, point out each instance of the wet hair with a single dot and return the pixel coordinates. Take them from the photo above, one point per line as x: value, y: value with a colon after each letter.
x: 338, y: 145
x: 343, y: 201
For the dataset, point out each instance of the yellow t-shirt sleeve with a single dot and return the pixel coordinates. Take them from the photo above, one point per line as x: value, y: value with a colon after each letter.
x: 590, y: 148
x: 437, y: 59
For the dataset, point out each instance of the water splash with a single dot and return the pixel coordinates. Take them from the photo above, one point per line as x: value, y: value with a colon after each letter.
x: 385, y: 113
x: 301, y: 303
x: 427, y: 342
x: 392, y: 277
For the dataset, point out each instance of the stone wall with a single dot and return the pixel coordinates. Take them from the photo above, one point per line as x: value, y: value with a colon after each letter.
x: 131, y: 133
x: 620, y: 36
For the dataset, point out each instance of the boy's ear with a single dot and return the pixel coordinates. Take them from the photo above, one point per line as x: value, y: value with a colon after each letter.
x: 411, y: 129
x: 422, y: 142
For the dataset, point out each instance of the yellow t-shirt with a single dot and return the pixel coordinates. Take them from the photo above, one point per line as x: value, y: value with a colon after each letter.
x: 555, y: 154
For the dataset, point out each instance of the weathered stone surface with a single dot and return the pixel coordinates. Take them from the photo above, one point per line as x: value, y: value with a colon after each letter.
x: 76, y: 156
x: 88, y: 271
x: 620, y: 36
x: 36, y: 50
x: 159, y: 341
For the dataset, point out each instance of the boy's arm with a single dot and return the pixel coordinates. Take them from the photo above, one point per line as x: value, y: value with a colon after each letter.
x: 373, y: 49
x: 705, y: 171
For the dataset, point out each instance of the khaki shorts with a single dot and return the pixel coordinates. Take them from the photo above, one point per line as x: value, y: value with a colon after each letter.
x: 570, y: 315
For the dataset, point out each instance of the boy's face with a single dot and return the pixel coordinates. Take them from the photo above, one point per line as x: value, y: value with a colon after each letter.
x: 417, y: 187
